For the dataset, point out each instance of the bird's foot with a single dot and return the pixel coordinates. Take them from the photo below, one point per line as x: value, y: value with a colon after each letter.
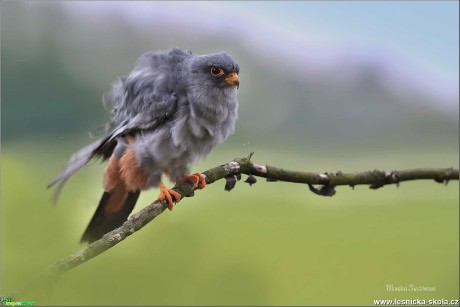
x: 199, y: 182
x: 168, y: 194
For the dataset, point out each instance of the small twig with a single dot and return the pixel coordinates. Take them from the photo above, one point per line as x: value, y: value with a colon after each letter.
x: 327, y: 181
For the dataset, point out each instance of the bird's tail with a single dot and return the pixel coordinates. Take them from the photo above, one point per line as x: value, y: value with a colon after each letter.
x: 100, y: 148
x: 112, y: 211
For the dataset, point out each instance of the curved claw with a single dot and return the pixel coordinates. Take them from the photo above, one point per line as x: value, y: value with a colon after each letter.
x: 199, y: 182
x: 168, y: 194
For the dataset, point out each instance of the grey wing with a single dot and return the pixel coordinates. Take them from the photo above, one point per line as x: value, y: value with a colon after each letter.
x: 148, y: 92
x: 142, y: 101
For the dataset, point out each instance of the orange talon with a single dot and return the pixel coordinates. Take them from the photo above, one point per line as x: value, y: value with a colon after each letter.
x: 167, y: 193
x: 198, y: 180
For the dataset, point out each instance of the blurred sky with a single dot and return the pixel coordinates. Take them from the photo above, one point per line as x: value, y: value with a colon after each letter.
x: 420, y: 37
x: 425, y: 31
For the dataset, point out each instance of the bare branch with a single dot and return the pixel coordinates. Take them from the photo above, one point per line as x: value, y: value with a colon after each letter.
x: 231, y: 172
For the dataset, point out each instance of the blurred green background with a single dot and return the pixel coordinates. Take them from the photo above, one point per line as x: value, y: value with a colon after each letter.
x: 331, y: 86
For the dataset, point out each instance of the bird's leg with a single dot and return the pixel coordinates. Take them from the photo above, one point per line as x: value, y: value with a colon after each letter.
x: 199, y: 182
x: 168, y: 194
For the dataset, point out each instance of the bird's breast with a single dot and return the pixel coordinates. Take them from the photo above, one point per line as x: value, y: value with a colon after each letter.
x: 203, y: 123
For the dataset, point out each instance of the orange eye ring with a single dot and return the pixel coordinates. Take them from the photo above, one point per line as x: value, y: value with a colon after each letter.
x: 216, y: 71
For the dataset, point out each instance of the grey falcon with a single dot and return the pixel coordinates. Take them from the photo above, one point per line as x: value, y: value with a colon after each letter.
x: 170, y: 111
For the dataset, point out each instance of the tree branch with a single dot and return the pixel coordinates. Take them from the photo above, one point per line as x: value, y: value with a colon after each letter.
x: 231, y: 172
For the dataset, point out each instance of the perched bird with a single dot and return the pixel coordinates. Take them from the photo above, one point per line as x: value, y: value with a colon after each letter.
x: 170, y: 111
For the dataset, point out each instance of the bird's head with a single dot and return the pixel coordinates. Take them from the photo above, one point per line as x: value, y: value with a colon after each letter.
x: 210, y: 83
x: 217, y: 70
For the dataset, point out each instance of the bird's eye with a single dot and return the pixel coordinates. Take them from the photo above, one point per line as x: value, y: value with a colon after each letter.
x: 216, y: 71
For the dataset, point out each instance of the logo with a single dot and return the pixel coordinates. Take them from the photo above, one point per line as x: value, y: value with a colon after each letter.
x: 8, y: 301
x: 4, y: 300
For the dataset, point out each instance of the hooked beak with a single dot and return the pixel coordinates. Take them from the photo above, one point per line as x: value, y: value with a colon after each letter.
x: 233, y: 80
